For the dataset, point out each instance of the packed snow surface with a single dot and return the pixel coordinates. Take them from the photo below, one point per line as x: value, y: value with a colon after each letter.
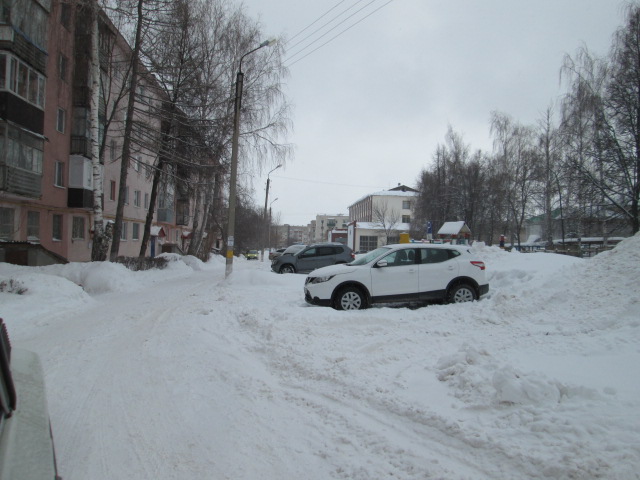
x: 181, y: 374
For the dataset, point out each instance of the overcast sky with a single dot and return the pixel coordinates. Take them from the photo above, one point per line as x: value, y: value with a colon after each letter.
x: 371, y: 106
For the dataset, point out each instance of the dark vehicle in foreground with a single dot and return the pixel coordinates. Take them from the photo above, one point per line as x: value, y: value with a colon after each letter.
x: 306, y: 258
x: 403, y: 273
x: 276, y: 253
x: 26, y: 444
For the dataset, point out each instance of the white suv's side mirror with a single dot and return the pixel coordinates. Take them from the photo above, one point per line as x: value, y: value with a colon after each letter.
x: 382, y: 263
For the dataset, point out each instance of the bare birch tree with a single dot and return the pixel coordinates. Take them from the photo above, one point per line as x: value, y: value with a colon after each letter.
x: 387, y: 218
x: 601, y: 119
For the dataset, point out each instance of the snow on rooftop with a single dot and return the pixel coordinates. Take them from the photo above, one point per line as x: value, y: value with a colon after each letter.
x: 386, y: 193
x: 451, y: 228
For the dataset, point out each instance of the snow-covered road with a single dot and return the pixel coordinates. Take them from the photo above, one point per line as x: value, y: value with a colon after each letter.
x: 179, y: 374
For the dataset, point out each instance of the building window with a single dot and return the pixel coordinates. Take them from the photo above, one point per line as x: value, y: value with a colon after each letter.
x: 22, y: 80
x: 368, y: 243
x: 33, y: 226
x: 58, y: 176
x: 406, y: 204
x: 23, y: 150
x: 77, y: 230
x: 112, y: 190
x: 113, y: 150
x: 123, y: 232
x: 406, y: 218
x: 65, y: 15
x: 135, y: 234
x: 62, y: 67
x: 136, y: 163
x: 146, y: 200
x: 136, y: 198
x: 6, y: 223
x: 126, y: 195
x: 3, y: 71
x: 56, y: 232
x: 60, y: 120
x: 31, y: 19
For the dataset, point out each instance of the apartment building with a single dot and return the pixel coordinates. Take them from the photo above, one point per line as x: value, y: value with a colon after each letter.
x: 46, y: 157
x: 324, y: 224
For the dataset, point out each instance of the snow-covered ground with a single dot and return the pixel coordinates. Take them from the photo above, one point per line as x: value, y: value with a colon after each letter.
x: 181, y: 374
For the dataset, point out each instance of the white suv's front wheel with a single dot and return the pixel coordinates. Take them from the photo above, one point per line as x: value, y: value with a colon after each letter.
x: 350, y: 298
x: 461, y: 293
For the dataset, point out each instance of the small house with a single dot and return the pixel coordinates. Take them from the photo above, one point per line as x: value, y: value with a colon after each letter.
x: 455, y: 233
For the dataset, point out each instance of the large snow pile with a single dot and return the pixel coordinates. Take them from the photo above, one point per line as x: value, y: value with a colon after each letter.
x: 183, y: 374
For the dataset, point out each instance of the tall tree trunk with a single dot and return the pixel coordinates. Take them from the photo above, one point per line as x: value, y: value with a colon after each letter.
x: 196, y: 232
x: 128, y: 129
x: 101, y: 236
x: 152, y: 207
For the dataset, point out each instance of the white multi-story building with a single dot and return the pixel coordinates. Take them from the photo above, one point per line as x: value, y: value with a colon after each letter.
x: 379, y: 218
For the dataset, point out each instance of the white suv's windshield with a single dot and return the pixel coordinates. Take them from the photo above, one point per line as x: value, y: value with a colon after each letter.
x: 372, y: 255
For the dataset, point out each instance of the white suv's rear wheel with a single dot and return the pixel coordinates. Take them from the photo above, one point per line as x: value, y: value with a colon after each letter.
x: 350, y: 298
x: 461, y: 293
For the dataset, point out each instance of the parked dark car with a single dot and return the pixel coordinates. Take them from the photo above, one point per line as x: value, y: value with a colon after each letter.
x: 276, y: 253
x: 305, y: 258
x: 26, y: 443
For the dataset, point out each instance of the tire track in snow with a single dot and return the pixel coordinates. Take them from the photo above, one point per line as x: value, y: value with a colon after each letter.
x: 109, y: 359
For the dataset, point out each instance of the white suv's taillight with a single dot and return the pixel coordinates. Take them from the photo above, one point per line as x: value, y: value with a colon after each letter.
x: 480, y: 265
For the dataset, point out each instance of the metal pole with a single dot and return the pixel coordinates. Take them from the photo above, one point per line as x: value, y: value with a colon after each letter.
x: 264, y: 220
x: 269, y: 226
x: 264, y: 216
x: 231, y: 225
x: 234, y: 173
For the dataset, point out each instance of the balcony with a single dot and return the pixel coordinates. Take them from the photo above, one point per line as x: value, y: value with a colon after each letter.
x: 13, y: 41
x: 165, y: 215
x: 20, y: 182
x: 80, y: 146
x: 80, y: 198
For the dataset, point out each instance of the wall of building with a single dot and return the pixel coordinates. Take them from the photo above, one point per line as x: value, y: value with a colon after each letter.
x: 323, y: 224
x: 67, y: 75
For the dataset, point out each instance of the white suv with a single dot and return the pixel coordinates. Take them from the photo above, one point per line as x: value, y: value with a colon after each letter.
x: 407, y: 272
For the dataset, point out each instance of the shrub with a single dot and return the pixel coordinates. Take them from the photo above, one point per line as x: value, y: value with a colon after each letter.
x: 144, y: 263
x: 13, y: 286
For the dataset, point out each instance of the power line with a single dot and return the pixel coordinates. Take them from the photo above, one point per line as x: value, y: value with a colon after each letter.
x: 316, y: 21
x: 327, y: 23
x: 337, y: 35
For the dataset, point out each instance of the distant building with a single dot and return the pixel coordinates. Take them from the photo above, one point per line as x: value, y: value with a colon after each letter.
x: 455, y: 232
x: 324, y: 224
x: 379, y: 218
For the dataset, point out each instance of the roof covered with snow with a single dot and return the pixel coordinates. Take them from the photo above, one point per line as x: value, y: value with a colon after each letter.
x: 453, y: 228
x: 386, y: 193
x: 403, y: 227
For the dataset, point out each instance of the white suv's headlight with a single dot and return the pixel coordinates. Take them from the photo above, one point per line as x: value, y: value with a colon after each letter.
x: 326, y: 278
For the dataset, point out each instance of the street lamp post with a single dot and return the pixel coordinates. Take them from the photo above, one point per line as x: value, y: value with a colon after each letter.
x: 264, y: 217
x: 269, y: 224
x: 231, y: 225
